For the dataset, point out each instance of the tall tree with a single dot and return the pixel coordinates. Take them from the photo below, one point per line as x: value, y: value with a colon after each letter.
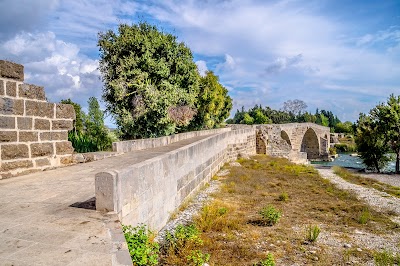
x: 214, y: 103
x: 150, y: 80
x: 371, y: 143
x: 388, y: 116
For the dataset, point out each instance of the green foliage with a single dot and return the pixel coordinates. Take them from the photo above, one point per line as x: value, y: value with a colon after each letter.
x: 142, y: 248
x: 269, y: 261
x: 81, y: 142
x: 312, y: 233
x: 388, y: 119
x: 148, y: 75
x: 283, y: 196
x: 364, y: 217
x: 386, y: 258
x: 343, y: 147
x: 332, y: 150
x: 371, y: 143
x: 183, y: 245
x: 90, y: 134
x: 270, y: 215
x: 247, y: 119
x: 214, y: 103
x: 198, y: 258
x: 346, y: 127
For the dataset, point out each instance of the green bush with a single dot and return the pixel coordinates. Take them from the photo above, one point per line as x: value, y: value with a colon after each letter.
x: 270, y: 215
x: 342, y: 147
x: 197, y: 258
x: 269, y: 261
x: 312, y: 233
x: 142, y: 248
x: 283, y: 197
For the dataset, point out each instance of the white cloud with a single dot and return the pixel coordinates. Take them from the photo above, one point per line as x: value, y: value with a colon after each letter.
x: 202, y: 67
x: 56, y: 65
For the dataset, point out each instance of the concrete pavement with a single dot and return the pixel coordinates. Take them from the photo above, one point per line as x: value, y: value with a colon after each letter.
x: 48, y: 218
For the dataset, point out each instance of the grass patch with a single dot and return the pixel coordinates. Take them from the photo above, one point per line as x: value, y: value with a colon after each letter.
x: 231, y: 236
x: 386, y: 258
x: 312, y: 233
x: 366, y: 182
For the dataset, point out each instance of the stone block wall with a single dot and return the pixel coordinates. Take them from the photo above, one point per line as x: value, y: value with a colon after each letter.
x: 148, y: 192
x: 33, y: 132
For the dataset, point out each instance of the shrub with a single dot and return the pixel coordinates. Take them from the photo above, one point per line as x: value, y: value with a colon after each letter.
x: 181, y: 247
x: 212, y: 217
x: 312, y: 233
x: 283, y: 197
x: 269, y: 261
x: 142, y: 248
x: 270, y: 215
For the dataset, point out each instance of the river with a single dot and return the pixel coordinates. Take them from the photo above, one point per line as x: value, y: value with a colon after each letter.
x: 345, y: 160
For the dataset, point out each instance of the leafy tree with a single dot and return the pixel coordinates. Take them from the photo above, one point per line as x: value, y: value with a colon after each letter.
x: 78, y: 122
x: 94, y: 125
x: 247, y: 119
x: 214, y: 103
x: 151, y: 81
x: 324, y: 120
x: 371, y: 143
x: 388, y: 116
x: 346, y: 127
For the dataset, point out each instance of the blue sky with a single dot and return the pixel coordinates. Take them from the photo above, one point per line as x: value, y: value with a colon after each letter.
x: 337, y: 55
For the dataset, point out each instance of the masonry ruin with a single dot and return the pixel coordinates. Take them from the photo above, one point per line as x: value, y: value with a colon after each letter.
x: 33, y: 132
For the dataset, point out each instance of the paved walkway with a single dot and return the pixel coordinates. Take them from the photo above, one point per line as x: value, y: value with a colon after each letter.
x: 38, y: 225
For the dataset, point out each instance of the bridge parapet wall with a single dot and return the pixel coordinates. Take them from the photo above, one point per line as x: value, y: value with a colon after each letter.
x: 148, y: 192
x: 33, y: 132
x: 142, y: 144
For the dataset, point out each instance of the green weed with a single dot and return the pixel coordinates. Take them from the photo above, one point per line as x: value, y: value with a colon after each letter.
x: 270, y: 215
x: 312, y: 233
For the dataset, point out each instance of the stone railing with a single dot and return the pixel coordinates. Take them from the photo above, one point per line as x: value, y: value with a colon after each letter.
x: 33, y: 132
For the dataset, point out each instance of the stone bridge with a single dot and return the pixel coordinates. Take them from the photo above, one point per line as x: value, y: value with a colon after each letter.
x: 298, y: 142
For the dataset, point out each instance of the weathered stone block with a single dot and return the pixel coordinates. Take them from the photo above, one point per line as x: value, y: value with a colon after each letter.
x: 31, y: 92
x: 7, y: 122
x: 25, y: 136
x: 66, y: 159
x: 14, y: 151
x: 65, y: 111
x: 24, y: 123
x: 54, y: 135
x: 8, y: 136
x: 41, y: 149
x: 10, y: 106
x: 11, y: 70
x: 42, y: 109
x: 62, y: 124
x: 42, y: 124
x: 2, y: 89
x: 7, y: 166
x: 64, y: 147
x: 42, y: 162
x: 11, y: 88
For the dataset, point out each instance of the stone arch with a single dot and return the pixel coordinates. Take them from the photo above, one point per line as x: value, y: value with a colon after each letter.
x: 285, y: 137
x: 310, y: 144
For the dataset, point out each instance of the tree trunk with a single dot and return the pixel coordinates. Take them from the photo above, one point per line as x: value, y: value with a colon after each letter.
x: 397, y: 162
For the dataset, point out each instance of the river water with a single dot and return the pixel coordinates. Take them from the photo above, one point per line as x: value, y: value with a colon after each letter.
x: 345, y: 160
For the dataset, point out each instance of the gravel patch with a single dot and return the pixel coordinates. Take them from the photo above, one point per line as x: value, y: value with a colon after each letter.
x: 376, y: 199
x: 390, y: 179
x: 186, y: 216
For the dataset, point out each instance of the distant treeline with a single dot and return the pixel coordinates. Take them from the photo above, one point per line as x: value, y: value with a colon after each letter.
x: 292, y: 112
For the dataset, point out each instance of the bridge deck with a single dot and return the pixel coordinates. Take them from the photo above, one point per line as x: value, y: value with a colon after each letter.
x: 38, y: 226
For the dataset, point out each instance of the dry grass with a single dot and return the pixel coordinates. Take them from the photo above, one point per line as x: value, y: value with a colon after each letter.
x: 366, y: 182
x: 231, y: 236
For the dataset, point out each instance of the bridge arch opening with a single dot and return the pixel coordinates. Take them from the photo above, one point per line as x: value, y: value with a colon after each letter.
x: 310, y: 144
x: 285, y: 136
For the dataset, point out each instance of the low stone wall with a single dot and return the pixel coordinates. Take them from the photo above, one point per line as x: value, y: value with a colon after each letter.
x: 142, y: 144
x: 33, y: 132
x: 148, y: 192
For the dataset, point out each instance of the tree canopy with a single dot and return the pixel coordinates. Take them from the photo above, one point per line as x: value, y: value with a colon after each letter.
x: 152, y: 86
